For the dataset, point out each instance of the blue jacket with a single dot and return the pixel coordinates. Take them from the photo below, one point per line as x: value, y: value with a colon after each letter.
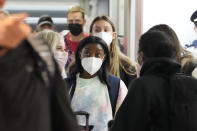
x: 193, y: 44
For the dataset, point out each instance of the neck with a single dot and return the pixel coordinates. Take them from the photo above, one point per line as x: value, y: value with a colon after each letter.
x: 86, y: 75
x: 77, y: 38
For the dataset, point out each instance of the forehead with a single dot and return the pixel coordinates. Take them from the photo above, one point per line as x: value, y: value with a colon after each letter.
x: 61, y: 42
x: 93, y: 47
x: 102, y: 24
x: 75, y: 15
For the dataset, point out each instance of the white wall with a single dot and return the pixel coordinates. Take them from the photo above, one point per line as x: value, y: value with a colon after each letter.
x: 175, y: 13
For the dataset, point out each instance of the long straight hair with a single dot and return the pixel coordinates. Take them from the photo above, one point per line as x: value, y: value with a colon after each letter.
x: 103, y: 73
x: 117, y: 59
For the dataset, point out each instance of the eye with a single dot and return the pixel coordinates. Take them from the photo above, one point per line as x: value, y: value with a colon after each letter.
x: 77, y: 21
x: 70, y: 21
x: 107, y: 30
x: 59, y: 48
x: 97, y: 30
x: 86, y: 53
x: 98, y: 55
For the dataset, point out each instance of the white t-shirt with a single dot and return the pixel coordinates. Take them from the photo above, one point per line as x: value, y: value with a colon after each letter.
x: 92, y: 96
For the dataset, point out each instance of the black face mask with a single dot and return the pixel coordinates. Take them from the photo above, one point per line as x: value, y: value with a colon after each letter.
x: 75, y: 29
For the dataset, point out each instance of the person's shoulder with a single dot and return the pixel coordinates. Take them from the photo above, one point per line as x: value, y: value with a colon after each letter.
x: 148, y: 79
x: 86, y: 34
x: 195, y: 43
x: 147, y: 83
x: 70, y: 78
x: 64, y: 32
x: 113, y: 76
x: 128, y: 66
x: 192, y: 44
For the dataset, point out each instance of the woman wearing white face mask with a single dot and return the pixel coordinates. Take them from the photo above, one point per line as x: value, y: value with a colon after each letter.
x: 120, y: 65
x: 56, y: 42
x: 92, y: 88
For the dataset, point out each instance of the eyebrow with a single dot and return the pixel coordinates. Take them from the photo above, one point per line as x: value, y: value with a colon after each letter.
x: 86, y: 48
x: 100, y: 26
x: 59, y: 46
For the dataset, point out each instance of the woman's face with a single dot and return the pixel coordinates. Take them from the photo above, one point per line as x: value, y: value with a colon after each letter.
x: 60, y: 46
x: 92, y: 50
x: 92, y: 56
x: 103, y: 26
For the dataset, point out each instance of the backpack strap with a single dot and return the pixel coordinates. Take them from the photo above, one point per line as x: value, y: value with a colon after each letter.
x: 69, y: 51
x: 67, y: 44
x: 113, y: 91
x: 71, y: 84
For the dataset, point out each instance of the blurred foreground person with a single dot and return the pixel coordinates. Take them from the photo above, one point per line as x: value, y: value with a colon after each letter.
x: 32, y: 93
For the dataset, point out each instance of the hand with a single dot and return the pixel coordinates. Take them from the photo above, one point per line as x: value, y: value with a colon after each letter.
x: 13, y: 30
x: 2, y: 3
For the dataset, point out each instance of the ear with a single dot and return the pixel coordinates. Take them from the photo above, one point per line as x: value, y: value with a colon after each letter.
x: 141, y: 57
x: 114, y: 35
x: 195, y: 29
x: 53, y: 27
x: 84, y: 22
x: 104, y: 57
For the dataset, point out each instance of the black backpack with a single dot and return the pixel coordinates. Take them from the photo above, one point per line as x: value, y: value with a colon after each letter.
x: 183, y: 103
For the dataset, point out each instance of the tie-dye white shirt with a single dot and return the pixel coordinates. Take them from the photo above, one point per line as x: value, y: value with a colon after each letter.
x: 92, y: 96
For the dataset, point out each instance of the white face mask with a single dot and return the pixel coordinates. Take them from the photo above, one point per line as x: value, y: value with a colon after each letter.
x: 61, y: 58
x: 107, y: 37
x: 91, y: 64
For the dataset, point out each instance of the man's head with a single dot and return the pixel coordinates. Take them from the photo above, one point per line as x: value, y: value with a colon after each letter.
x: 194, y: 20
x: 45, y: 22
x: 76, y: 20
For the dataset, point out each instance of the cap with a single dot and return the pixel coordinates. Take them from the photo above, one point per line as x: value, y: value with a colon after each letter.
x: 194, y: 17
x: 45, y: 19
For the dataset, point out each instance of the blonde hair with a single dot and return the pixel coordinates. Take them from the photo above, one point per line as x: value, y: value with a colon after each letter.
x: 77, y: 9
x: 116, y: 56
x: 51, y: 37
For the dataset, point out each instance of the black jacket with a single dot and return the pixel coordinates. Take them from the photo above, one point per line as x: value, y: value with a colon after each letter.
x: 33, y: 96
x: 146, y: 106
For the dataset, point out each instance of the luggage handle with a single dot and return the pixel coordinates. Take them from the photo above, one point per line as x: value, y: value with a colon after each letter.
x: 86, y: 115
